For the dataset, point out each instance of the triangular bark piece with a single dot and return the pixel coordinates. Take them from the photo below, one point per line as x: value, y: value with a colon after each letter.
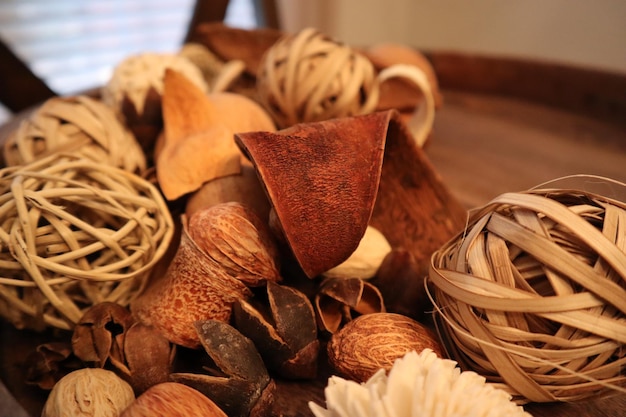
x: 322, y: 180
x: 326, y: 184
x: 414, y: 209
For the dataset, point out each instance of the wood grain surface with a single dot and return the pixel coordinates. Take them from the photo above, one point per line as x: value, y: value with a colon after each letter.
x: 483, y: 144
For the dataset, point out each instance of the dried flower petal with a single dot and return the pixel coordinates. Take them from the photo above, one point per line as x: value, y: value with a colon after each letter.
x: 49, y: 363
x: 417, y: 385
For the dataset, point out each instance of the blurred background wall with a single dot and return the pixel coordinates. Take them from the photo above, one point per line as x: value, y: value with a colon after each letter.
x: 577, y: 32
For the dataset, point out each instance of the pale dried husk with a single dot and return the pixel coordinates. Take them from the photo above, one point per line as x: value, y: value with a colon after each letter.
x: 532, y: 294
x: 74, y: 233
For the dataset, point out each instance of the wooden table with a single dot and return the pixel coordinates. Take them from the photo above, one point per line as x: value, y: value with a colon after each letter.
x: 505, y: 126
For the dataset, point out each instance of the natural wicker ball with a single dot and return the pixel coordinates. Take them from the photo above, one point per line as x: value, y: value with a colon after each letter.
x: 532, y: 294
x: 308, y: 77
x: 73, y: 233
x: 135, y: 88
x: 79, y: 124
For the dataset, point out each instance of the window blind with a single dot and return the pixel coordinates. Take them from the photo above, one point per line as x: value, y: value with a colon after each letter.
x: 74, y: 44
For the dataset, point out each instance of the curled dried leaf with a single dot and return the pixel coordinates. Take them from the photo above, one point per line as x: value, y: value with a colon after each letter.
x: 340, y: 300
x: 241, y: 384
x: 284, y: 330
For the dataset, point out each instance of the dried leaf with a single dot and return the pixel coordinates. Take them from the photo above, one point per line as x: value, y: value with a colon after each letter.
x: 245, y: 377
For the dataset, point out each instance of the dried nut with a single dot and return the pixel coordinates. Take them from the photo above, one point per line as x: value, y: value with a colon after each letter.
x: 241, y: 386
x: 339, y: 300
x: 374, y: 341
x: 283, y: 329
x: 238, y: 241
x: 402, y: 285
x: 148, y: 357
x: 366, y: 259
x: 173, y: 400
x: 89, y: 392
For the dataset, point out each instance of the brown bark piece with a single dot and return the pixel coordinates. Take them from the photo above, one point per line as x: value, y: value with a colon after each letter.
x: 326, y: 182
x: 321, y: 179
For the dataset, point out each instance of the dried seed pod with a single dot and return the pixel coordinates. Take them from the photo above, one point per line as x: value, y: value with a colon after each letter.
x: 89, y: 392
x: 135, y: 88
x: 283, y: 330
x: 374, y: 341
x: 173, y: 400
x: 236, y: 239
x: 340, y: 300
x: 316, y: 186
x: 108, y: 336
x: 99, y: 334
x: 242, y: 386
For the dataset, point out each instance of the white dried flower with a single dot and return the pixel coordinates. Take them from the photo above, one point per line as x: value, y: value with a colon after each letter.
x: 421, y: 385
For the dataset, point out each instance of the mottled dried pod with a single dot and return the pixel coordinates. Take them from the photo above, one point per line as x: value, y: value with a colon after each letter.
x: 194, y: 288
x: 89, y: 392
x: 49, y: 363
x: 235, y: 238
x: 340, y: 300
x: 241, y: 386
x: 374, y: 341
x: 283, y: 329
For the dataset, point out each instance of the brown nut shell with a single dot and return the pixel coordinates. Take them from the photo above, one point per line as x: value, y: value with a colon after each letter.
x: 235, y: 238
x: 172, y: 399
x: 374, y: 341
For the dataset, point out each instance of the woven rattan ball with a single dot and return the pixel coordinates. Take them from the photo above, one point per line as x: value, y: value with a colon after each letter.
x: 73, y: 233
x: 308, y: 77
x: 79, y: 124
x: 532, y: 294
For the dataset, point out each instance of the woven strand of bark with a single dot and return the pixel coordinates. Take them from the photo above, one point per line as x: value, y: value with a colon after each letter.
x: 74, y: 233
x: 308, y: 77
x: 532, y: 295
x: 79, y: 125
